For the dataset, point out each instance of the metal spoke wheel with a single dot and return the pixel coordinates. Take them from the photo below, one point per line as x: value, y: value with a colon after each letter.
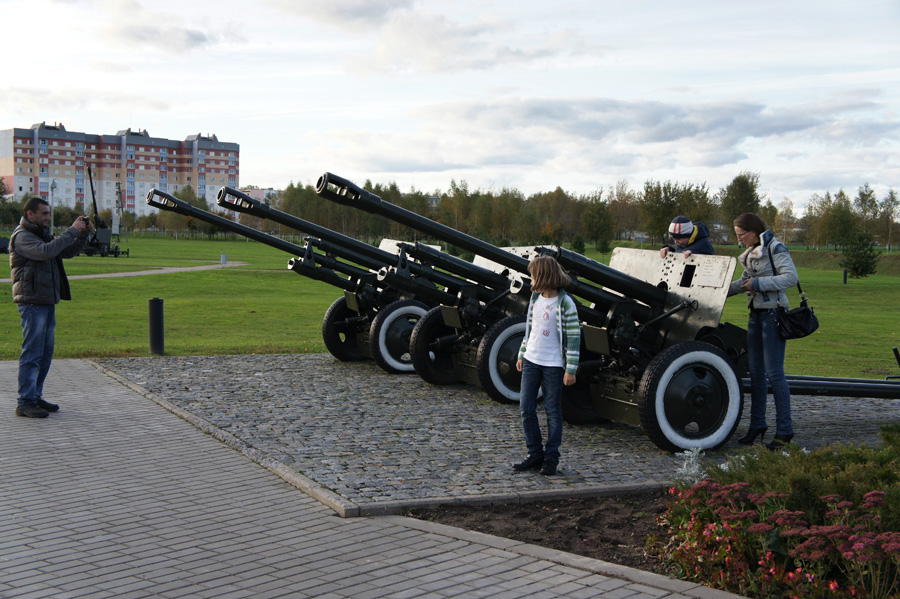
x: 495, y: 362
x: 390, y: 334
x: 690, y: 397
x: 434, y: 364
x: 339, y: 334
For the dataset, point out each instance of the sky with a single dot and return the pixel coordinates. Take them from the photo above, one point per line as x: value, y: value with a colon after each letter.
x: 523, y: 94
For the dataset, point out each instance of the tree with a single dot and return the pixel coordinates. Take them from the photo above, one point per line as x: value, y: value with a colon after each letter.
x: 841, y: 221
x: 659, y: 205
x: 784, y: 221
x: 860, y: 256
x: 4, y: 190
x: 817, y: 210
x: 599, y: 223
x: 11, y: 212
x: 695, y: 203
x: 866, y: 205
x: 578, y: 244
x: 887, y: 212
x: 768, y: 213
x: 625, y: 210
x: 738, y: 197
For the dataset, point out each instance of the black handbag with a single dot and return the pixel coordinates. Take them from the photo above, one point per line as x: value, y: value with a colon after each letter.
x: 799, y: 322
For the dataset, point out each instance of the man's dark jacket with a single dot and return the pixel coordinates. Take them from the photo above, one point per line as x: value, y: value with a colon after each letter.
x: 35, y: 260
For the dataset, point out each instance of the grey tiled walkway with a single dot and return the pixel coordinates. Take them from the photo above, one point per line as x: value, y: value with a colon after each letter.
x: 114, y: 496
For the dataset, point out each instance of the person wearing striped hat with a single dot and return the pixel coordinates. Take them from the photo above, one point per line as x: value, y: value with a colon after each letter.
x: 689, y: 238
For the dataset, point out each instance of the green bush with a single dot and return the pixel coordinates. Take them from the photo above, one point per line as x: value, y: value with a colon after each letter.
x: 824, y: 523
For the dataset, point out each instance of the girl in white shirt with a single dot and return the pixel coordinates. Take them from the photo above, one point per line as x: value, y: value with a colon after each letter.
x: 548, y: 358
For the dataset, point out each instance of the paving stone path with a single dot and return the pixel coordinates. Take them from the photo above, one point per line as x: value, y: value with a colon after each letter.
x: 381, y: 441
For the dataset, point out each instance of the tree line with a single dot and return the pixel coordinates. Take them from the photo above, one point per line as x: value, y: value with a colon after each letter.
x: 508, y: 217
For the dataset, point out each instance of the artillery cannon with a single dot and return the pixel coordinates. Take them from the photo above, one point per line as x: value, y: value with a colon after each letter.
x: 477, y: 289
x: 375, y: 317
x: 654, y: 352
x: 100, y: 241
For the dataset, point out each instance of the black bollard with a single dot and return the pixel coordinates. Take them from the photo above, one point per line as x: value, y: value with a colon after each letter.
x: 157, y: 338
x: 845, y: 276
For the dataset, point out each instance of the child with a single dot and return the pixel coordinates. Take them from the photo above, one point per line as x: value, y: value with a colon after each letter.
x: 690, y: 238
x: 549, y: 357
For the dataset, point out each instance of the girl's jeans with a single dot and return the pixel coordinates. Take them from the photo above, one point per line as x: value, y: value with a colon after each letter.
x: 38, y: 327
x: 765, y: 349
x: 551, y: 377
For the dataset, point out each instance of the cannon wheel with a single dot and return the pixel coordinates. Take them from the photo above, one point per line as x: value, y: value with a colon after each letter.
x: 495, y: 361
x: 690, y: 397
x: 340, y: 339
x: 434, y: 366
x: 390, y: 333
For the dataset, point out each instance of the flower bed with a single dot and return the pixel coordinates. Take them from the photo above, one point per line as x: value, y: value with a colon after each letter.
x: 774, y: 524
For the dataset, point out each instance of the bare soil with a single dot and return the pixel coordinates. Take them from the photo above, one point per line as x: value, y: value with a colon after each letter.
x: 613, y: 529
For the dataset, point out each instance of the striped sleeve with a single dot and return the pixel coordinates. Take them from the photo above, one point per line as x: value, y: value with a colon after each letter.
x: 572, y: 329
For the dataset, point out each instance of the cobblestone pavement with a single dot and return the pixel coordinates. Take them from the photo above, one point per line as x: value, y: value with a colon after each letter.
x: 380, y: 441
x: 114, y: 496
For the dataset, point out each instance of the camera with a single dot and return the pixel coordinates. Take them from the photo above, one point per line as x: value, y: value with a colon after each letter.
x: 87, y: 221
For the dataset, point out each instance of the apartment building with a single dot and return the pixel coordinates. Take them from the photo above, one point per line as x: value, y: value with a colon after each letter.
x: 48, y: 159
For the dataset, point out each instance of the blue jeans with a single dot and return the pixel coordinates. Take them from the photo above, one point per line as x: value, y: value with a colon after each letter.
x: 38, y: 326
x: 765, y: 351
x: 551, y: 377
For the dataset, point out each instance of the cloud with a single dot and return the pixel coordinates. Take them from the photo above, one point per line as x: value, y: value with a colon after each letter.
x: 129, y: 23
x: 408, y: 39
x: 30, y: 100
x: 579, y: 138
x: 340, y: 13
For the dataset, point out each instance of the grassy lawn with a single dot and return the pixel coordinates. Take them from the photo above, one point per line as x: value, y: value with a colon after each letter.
x: 261, y: 307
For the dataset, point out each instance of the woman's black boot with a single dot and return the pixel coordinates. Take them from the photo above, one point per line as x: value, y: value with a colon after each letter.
x: 752, y: 434
x: 780, y: 441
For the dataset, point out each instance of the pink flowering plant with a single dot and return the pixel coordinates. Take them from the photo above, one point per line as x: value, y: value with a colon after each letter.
x: 752, y: 539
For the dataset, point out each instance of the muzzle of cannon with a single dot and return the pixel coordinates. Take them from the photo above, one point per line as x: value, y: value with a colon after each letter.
x: 654, y: 353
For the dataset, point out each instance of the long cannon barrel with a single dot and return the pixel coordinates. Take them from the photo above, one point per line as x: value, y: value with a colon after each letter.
x: 480, y: 275
x: 342, y: 245
x: 347, y: 193
x: 235, y: 200
x: 164, y: 201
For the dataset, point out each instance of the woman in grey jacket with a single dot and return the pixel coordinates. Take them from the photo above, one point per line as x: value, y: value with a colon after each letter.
x: 765, y: 290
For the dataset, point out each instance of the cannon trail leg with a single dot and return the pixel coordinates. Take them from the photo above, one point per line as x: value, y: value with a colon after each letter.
x: 339, y: 335
x: 390, y: 334
x: 690, y: 397
x: 433, y: 363
x: 495, y: 361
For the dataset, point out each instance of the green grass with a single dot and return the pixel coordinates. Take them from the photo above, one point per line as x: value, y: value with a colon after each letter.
x: 261, y: 307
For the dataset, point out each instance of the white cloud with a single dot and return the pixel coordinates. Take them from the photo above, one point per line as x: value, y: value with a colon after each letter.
x: 341, y: 13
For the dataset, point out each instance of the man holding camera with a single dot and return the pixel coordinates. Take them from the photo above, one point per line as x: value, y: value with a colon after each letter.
x: 39, y: 283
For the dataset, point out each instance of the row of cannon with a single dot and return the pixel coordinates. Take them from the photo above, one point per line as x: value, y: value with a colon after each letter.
x: 654, y: 352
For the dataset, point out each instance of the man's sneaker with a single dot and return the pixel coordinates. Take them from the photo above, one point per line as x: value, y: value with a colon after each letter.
x: 532, y: 462
x: 46, y: 405
x: 31, y: 411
